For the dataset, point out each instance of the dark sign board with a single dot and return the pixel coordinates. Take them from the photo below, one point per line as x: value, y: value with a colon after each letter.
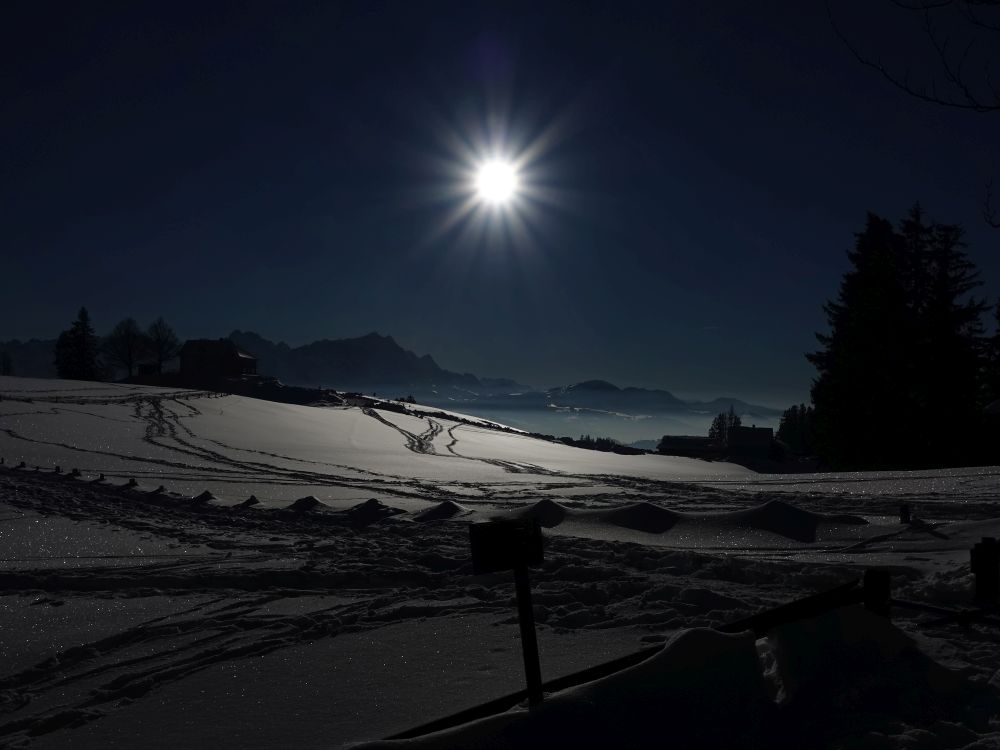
x: 505, y: 545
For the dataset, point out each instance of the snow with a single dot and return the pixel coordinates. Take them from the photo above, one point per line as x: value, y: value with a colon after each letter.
x: 387, y: 672
x: 833, y: 676
x: 236, y: 446
x: 696, y: 690
x: 342, y: 607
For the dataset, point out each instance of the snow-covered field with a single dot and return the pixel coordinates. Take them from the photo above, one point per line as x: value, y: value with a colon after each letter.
x: 156, y: 607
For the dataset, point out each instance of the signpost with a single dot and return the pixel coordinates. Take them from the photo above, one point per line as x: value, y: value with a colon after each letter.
x: 984, y: 560
x: 514, y: 545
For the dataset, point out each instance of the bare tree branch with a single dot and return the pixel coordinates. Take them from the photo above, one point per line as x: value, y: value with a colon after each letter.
x: 982, y: 96
x: 956, y: 75
x: 990, y: 214
x: 922, y: 6
x: 964, y: 95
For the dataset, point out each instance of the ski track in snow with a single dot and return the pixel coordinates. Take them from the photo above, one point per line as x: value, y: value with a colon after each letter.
x: 191, y: 455
x: 257, y: 581
x: 230, y: 583
x: 392, y: 571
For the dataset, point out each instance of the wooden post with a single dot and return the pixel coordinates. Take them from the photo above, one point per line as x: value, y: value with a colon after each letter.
x: 529, y: 639
x: 514, y: 545
x: 984, y: 559
x: 904, y: 513
x: 877, y: 589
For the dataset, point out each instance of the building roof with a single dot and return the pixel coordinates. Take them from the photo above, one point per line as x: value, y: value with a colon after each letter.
x: 226, y: 345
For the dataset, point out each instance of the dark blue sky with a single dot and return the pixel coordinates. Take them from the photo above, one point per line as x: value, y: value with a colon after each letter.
x: 278, y: 167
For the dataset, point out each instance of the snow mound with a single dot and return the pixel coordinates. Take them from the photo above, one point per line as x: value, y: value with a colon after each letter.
x: 845, y: 674
x: 305, y: 504
x: 370, y: 511
x: 775, y: 517
x: 844, y: 678
x: 548, y: 512
x: 785, y: 520
x: 644, y: 516
x: 703, y: 687
x: 250, y: 502
x: 443, y: 510
x: 204, y: 498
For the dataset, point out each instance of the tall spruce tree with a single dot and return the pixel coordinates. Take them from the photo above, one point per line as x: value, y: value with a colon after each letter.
x: 991, y: 362
x: 796, y: 429
x: 76, y: 350
x: 898, y: 371
x: 949, y: 350
x: 862, y: 367
x: 991, y: 393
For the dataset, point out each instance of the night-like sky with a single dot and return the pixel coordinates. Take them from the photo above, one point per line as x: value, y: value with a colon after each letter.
x: 694, y: 173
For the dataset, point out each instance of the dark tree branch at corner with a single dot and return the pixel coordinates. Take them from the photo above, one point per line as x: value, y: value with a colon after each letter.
x: 922, y: 6
x: 990, y: 213
x: 961, y: 92
x: 973, y: 91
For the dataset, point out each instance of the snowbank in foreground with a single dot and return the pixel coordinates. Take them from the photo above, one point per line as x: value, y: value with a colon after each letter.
x: 844, y: 678
x: 700, y: 686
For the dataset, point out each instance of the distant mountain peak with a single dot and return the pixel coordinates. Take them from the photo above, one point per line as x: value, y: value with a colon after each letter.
x: 594, y: 385
x: 369, y: 360
x: 374, y: 336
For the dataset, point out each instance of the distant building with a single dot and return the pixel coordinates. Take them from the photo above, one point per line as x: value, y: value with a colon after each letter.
x: 211, y: 359
x: 689, y: 446
x: 750, y: 441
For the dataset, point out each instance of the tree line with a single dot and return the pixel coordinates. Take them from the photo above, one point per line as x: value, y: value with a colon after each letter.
x: 907, y: 372
x: 723, y: 424
x: 81, y: 355
x: 797, y: 429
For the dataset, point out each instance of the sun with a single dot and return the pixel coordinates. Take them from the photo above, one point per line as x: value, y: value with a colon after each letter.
x: 497, y: 182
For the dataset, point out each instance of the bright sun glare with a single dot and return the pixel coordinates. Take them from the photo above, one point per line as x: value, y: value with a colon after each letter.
x: 496, y: 182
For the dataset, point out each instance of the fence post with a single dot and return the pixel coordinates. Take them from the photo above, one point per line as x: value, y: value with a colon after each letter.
x: 514, y: 545
x: 877, y: 590
x: 984, y: 559
x: 529, y: 639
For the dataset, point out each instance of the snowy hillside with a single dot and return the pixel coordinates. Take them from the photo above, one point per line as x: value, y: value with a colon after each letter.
x: 235, y: 446
x: 341, y: 607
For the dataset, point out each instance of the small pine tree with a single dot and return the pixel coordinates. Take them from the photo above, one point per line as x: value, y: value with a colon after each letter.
x: 796, y: 429
x: 722, y: 424
x: 718, y: 428
x: 76, y: 350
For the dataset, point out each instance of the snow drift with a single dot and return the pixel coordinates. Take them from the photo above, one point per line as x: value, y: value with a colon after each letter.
x: 830, y: 680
